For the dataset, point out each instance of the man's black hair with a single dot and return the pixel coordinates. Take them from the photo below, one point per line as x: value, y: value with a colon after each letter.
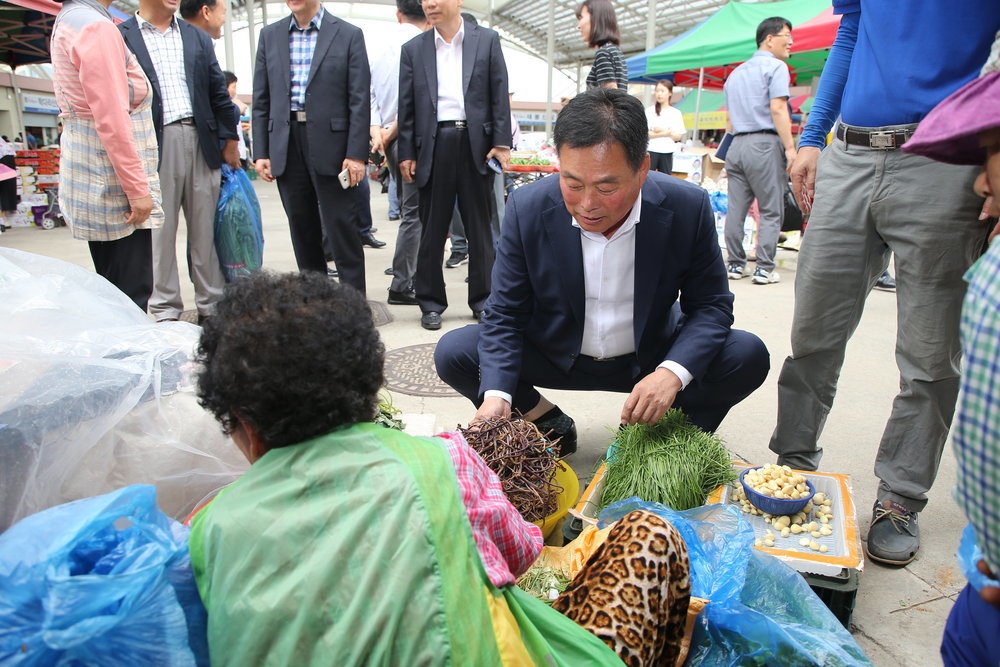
x: 190, y: 8
x: 603, y: 22
x: 230, y: 77
x: 295, y: 356
x: 411, y: 9
x: 604, y: 115
x: 771, y: 26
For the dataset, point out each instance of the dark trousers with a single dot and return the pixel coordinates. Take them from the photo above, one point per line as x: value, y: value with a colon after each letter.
x: 316, y: 205
x: 661, y: 162
x: 127, y: 263
x: 362, y: 194
x: 972, y: 632
x: 737, y: 370
x: 454, y: 175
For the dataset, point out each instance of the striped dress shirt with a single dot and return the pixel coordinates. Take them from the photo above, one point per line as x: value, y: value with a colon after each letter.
x: 301, y: 45
x: 166, y: 50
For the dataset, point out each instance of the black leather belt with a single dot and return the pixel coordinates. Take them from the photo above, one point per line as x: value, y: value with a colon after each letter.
x: 183, y: 121
x: 298, y: 117
x: 743, y: 134
x: 603, y: 359
x: 880, y: 140
x: 458, y: 124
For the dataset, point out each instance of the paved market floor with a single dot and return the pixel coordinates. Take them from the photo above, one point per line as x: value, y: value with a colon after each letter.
x: 900, y: 612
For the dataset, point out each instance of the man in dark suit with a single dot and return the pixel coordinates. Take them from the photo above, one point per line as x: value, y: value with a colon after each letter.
x: 586, y: 284
x: 310, y: 123
x: 193, y: 117
x: 454, y: 116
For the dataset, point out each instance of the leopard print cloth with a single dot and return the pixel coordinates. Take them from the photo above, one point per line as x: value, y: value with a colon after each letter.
x: 634, y: 590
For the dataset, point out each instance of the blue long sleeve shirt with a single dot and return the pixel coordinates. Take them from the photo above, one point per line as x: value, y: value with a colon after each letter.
x: 891, y: 64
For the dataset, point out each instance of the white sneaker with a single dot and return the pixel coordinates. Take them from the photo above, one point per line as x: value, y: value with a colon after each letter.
x: 762, y: 277
x: 735, y: 271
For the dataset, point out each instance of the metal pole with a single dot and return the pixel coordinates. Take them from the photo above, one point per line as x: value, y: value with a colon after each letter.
x: 263, y: 12
x: 227, y: 37
x: 251, y: 33
x: 697, y: 104
x: 650, y: 43
x: 550, y: 56
x: 579, y: 74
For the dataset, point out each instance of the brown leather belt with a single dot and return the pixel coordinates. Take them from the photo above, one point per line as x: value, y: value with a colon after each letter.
x: 459, y: 124
x: 879, y: 140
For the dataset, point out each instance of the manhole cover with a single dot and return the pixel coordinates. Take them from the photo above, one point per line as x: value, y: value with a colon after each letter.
x: 380, y: 314
x: 410, y: 370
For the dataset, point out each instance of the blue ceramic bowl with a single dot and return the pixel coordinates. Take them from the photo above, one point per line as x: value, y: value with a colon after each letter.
x: 775, y: 506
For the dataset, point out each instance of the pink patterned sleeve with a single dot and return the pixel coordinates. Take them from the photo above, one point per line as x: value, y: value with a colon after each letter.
x: 507, y: 544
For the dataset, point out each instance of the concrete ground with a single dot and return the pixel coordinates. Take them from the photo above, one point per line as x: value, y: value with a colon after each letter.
x: 900, y: 612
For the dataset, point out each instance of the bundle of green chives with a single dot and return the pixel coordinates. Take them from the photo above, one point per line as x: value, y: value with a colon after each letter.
x: 672, y: 463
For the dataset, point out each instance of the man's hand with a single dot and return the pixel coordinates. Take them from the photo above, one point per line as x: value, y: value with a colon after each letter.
x: 375, y: 132
x: 231, y: 153
x: 493, y: 407
x: 408, y: 168
x: 356, y: 169
x: 651, y: 397
x: 803, y: 172
x: 263, y: 167
x: 501, y: 154
x: 789, y: 159
x: 990, y: 594
x: 141, y: 208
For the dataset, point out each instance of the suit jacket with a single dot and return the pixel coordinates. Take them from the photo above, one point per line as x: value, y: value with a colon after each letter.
x: 213, y: 110
x: 538, y: 283
x: 337, y: 96
x: 487, y: 106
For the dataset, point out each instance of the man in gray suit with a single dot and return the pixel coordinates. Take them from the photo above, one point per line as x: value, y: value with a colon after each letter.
x: 192, y: 114
x: 454, y: 116
x: 310, y: 123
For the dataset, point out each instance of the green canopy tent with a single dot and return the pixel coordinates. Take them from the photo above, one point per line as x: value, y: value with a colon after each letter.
x: 705, y: 55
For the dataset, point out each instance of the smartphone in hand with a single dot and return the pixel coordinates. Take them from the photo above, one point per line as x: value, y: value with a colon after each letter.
x: 495, y: 165
x: 345, y: 179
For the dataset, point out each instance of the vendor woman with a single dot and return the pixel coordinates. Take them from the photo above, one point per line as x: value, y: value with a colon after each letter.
x: 349, y: 543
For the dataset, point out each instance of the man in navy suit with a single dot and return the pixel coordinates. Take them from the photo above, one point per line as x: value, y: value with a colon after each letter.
x: 586, y: 283
x: 310, y: 123
x: 454, y: 116
x: 193, y: 117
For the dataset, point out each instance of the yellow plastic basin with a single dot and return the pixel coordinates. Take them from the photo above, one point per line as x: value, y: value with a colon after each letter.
x: 570, y: 483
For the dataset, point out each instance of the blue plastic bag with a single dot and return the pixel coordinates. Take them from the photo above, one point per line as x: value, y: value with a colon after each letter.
x: 239, y: 234
x: 761, y: 612
x: 101, y: 581
x: 969, y: 554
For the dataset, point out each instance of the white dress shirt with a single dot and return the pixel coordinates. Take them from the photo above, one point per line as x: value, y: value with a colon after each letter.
x: 609, y: 296
x: 451, y: 98
x: 166, y: 50
x: 383, y: 59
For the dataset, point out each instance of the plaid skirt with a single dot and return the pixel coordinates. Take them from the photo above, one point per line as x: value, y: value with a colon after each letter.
x: 90, y: 196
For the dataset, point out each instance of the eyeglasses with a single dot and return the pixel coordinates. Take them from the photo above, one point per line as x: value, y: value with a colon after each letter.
x: 786, y: 35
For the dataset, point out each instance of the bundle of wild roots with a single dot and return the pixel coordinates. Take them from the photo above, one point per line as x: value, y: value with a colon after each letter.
x: 523, y: 459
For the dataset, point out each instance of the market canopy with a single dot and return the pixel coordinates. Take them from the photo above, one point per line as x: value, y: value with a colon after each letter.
x: 25, y: 26
x: 727, y: 38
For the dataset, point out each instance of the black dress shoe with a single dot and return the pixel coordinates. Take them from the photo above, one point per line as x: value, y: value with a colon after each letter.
x: 332, y: 273
x: 372, y: 242
x: 556, y: 425
x: 389, y: 272
x: 402, y: 299
x: 431, y: 321
x: 395, y: 219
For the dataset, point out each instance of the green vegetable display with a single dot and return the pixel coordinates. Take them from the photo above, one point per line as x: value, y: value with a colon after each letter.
x: 672, y: 463
x: 386, y: 412
x: 543, y: 582
x: 529, y: 161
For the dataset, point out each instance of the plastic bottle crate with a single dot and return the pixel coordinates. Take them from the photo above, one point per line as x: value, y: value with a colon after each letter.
x: 839, y: 593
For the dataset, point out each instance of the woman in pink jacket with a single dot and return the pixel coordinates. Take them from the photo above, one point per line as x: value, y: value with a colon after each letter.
x: 109, y: 190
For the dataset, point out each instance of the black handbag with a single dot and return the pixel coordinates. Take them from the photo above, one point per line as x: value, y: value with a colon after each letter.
x: 792, y: 221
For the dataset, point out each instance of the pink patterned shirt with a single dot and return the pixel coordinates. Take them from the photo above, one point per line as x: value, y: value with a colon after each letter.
x: 507, y: 544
